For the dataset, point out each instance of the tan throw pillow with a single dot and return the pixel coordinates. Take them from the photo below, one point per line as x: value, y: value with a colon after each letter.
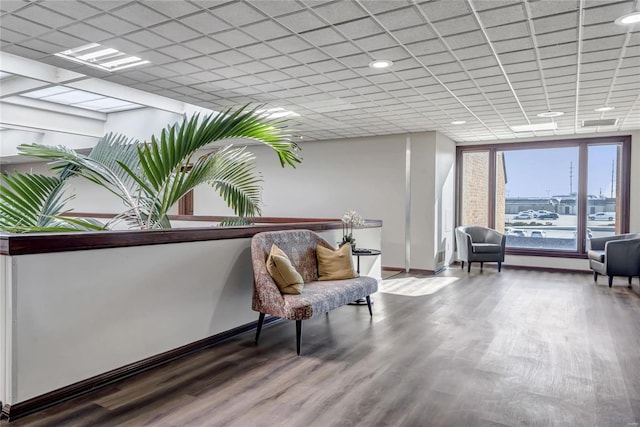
x: 335, y: 265
x: 279, y: 266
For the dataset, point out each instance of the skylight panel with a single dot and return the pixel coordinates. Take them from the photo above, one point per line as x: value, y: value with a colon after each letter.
x: 81, y: 99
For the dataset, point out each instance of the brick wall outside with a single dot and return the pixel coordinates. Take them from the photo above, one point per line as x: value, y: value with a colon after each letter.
x: 501, y: 195
x: 475, y: 189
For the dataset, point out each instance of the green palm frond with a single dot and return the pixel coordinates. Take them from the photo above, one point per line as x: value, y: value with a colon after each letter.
x: 68, y: 162
x: 235, y: 179
x: 234, y: 221
x: 31, y: 202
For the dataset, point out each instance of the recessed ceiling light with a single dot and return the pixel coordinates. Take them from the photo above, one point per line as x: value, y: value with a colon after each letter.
x: 535, y: 127
x: 628, y: 19
x: 380, y: 64
x: 603, y: 109
x: 551, y: 114
x: 458, y: 122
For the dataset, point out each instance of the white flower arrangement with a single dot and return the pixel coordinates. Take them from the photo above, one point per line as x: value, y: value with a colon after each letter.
x: 350, y: 220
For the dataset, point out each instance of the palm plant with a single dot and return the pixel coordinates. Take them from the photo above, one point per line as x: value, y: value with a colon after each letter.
x: 151, y: 177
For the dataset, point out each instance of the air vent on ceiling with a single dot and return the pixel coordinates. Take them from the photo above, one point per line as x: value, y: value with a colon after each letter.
x: 599, y: 122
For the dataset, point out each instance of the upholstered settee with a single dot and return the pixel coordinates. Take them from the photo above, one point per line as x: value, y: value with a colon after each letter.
x: 317, y: 297
x: 617, y: 255
x: 480, y: 244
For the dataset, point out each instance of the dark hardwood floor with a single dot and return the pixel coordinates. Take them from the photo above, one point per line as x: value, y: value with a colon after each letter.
x: 517, y: 348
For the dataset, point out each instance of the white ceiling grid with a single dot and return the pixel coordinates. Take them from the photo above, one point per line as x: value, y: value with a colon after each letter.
x: 492, y: 63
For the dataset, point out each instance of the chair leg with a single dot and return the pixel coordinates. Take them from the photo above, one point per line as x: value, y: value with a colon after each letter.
x: 298, y: 335
x: 259, y: 328
x: 630, y: 280
x: 610, y: 281
x: 481, y: 265
x: 469, y: 267
x: 499, y: 267
x: 595, y: 276
x: 462, y: 262
x: 369, y: 305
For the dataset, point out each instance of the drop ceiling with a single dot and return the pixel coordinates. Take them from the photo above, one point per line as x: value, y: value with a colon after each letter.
x: 491, y: 63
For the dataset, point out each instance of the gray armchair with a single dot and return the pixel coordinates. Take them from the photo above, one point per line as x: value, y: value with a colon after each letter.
x: 480, y: 244
x: 617, y: 255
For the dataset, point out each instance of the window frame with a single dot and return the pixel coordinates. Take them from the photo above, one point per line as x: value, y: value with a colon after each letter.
x: 624, y: 171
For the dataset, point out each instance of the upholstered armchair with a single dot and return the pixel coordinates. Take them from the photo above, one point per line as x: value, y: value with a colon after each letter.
x: 480, y: 244
x: 617, y: 255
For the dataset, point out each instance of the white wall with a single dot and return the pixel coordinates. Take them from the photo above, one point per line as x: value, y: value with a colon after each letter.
x: 445, y: 201
x: 79, y: 314
x: 361, y: 174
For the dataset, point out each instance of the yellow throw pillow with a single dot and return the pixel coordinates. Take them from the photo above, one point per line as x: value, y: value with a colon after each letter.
x: 279, y: 266
x: 335, y: 265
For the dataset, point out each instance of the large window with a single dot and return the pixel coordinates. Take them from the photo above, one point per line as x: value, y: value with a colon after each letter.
x: 548, y: 197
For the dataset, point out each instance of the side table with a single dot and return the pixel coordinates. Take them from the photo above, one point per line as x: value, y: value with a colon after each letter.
x: 358, y: 252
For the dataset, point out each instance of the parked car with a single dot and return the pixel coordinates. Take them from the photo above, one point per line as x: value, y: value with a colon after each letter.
x: 541, y: 212
x: 522, y: 215
x: 548, y: 215
x: 516, y: 232
x: 603, y: 216
x: 537, y: 233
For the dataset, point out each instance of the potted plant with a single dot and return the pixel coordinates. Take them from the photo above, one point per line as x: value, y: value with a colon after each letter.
x: 350, y: 220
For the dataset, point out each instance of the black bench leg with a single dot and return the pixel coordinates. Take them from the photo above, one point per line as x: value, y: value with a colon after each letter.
x: 499, y: 266
x: 469, y: 267
x: 610, y: 281
x: 369, y: 305
x: 260, y: 322
x: 298, y: 335
x: 462, y: 262
x: 481, y: 265
x: 630, y: 280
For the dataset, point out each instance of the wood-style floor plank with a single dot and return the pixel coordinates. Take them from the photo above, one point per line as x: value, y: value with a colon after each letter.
x: 517, y: 348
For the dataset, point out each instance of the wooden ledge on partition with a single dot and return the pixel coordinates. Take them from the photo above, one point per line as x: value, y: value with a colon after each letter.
x: 36, y: 243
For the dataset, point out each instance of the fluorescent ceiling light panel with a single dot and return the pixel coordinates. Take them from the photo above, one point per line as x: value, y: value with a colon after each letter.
x: 458, y: 122
x: 535, y: 127
x: 97, y: 56
x: 548, y: 114
x: 603, y: 109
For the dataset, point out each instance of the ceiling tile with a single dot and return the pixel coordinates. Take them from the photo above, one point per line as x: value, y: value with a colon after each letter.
x: 206, y: 45
x: 503, y: 15
x: 148, y: 39
x: 276, y: 7
x: 443, y: 9
x: 240, y: 13
x: 203, y: 22
x: 86, y: 32
x: 23, y: 26
x: 360, y: 28
x: 112, y: 24
x: 510, y: 31
x: 302, y: 21
x: 174, y: 9
x: 400, y: 18
x: 458, y: 41
x: 336, y: 12
x: 179, y: 52
x: 138, y: 14
x: 290, y: 44
x: 462, y: 24
x: 322, y: 37
x: 415, y: 34
x: 266, y: 30
x: 76, y: 9
x: 235, y: 38
x: 35, y: 13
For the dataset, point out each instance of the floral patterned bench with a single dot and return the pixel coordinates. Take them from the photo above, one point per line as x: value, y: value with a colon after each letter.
x: 317, y: 297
